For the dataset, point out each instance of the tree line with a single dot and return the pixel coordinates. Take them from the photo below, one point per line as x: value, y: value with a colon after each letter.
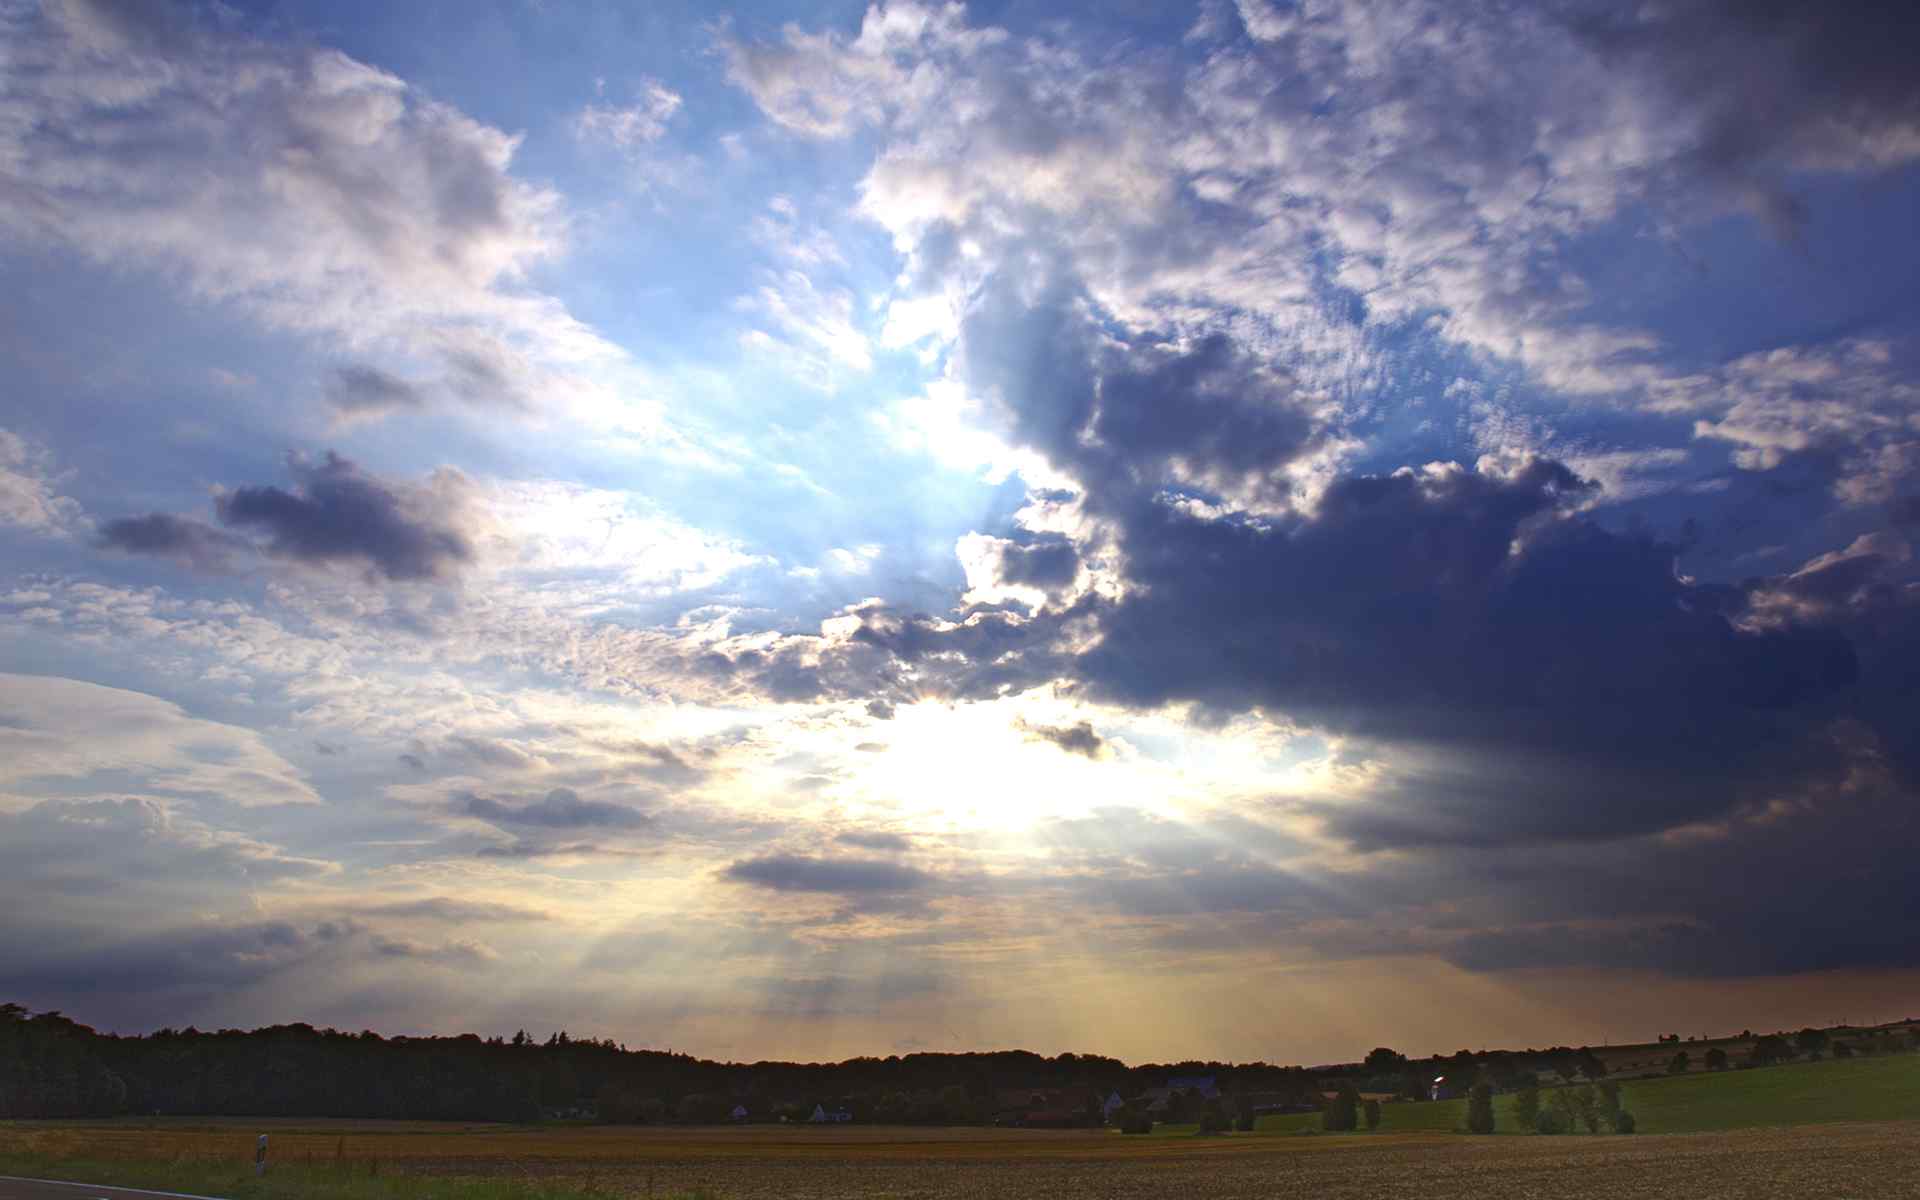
x: 53, y: 1066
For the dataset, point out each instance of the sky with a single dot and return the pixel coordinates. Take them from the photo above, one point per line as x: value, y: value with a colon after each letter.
x: 1209, y: 530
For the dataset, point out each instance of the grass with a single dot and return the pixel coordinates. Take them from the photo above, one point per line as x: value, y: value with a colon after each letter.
x: 1858, y: 1089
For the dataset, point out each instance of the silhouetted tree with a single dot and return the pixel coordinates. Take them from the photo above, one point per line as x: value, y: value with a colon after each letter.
x: 1382, y: 1061
x: 1716, y: 1059
x: 1343, y: 1113
x: 1811, y: 1042
x: 1526, y: 1105
x: 1480, y: 1107
x: 1678, y: 1064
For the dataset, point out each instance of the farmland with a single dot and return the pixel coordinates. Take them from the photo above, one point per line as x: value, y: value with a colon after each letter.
x: 764, y: 1162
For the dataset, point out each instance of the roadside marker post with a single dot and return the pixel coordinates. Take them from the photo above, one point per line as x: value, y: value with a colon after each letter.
x: 260, y: 1156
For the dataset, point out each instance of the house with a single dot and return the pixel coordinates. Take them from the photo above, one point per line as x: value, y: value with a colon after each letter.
x: 1188, y: 1090
x: 1042, y: 1108
x: 739, y: 1114
x: 1111, y: 1105
x: 1264, y: 1103
x: 1443, y: 1089
x: 1203, y: 1084
x: 1155, y: 1100
x: 822, y: 1115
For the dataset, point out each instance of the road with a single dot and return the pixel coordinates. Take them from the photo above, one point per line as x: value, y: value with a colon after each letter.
x: 13, y: 1188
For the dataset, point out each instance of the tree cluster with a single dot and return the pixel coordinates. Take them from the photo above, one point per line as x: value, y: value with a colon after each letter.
x: 52, y: 1066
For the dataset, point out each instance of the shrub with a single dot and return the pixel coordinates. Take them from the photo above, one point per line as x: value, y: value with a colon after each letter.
x: 1623, y: 1122
x: 1136, y: 1123
x: 1678, y: 1064
x: 1549, y: 1121
x: 1716, y: 1059
x: 1526, y: 1106
x: 1609, y: 1097
x: 1371, y: 1110
x: 1343, y: 1115
x: 1245, y: 1121
x: 1480, y: 1108
x: 1842, y: 1050
x: 1576, y: 1106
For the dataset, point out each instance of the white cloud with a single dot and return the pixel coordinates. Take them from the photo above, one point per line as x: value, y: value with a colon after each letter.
x: 1426, y: 157
x: 314, y: 192
x: 633, y: 126
x: 1854, y: 399
x: 65, y: 733
x: 812, y: 327
x: 27, y: 496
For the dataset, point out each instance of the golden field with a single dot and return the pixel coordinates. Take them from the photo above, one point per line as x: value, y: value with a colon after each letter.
x: 764, y: 1162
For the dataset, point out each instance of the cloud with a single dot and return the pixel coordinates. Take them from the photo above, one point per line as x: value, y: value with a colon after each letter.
x: 842, y: 876
x: 182, y: 539
x: 1773, y: 89
x: 1078, y: 738
x: 27, y: 497
x: 1847, y: 410
x: 335, y: 513
x: 1466, y: 157
x: 873, y: 839
x: 633, y: 126
x: 561, y: 808
x: 338, y: 512
x: 362, y: 390
x: 65, y: 734
x: 310, y: 190
x: 453, y: 910
x: 812, y: 328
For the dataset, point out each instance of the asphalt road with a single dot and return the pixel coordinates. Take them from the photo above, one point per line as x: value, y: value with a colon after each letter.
x: 12, y: 1188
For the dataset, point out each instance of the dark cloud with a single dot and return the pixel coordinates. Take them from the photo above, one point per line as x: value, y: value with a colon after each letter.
x: 180, y: 538
x: 338, y: 512
x: 843, y: 876
x: 1777, y: 86
x: 494, y: 753
x: 529, y: 848
x: 561, y: 808
x: 1516, y: 672
x: 362, y: 390
x: 874, y: 840
x: 880, y: 710
x: 871, y: 991
x: 1047, y: 563
x: 121, y: 25
x: 455, y: 953
x: 454, y: 911
x: 1124, y: 417
x: 1078, y: 738
x: 335, y: 513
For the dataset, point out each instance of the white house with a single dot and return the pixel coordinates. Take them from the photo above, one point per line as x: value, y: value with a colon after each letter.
x: 1111, y: 1105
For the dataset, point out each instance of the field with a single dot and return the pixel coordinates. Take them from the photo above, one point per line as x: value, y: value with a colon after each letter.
x: 1857, y: 1089
x: 1817, y: 1129
x: 763, y: 1163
